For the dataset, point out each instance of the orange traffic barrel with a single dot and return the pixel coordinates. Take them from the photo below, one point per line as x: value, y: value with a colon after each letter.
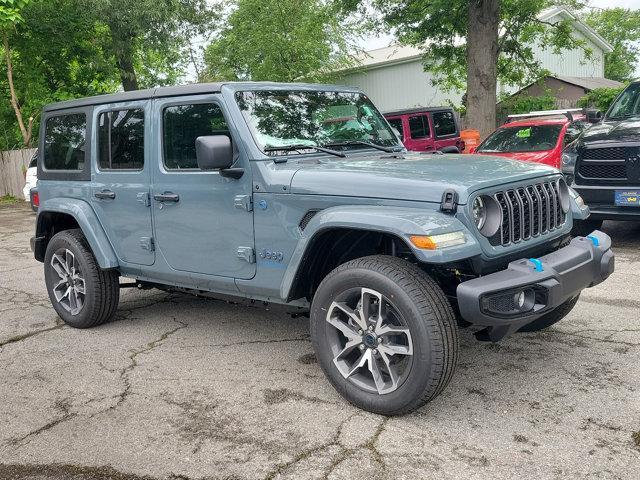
x: 471, y: 139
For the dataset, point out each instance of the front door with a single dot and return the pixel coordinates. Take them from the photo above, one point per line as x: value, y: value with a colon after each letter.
x: 120, y: 186
x: 203, y: 220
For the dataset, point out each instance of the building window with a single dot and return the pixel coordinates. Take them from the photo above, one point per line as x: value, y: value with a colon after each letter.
x: 419, y: 127
x: 444, y: 124
x: 64, y: 142
x: 182, y: 124
x: 121, y: 140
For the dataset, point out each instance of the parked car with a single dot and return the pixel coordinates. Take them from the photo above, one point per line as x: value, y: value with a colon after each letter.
x: 264, y: 193
x: 535, y: 137
x: 428, y: 129
x: 603, y: 163
x: 31, y: 177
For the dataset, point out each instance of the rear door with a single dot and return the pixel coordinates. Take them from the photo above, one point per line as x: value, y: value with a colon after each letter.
x: 420, y: 138
x: 120, y: 186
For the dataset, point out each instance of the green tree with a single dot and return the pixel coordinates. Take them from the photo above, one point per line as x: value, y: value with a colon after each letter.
x: 471, y: 44
x: 600, y: 98
x: 621, y: 28
x: 281, y: 40
x: 10, y: 16
x: 149, y: 40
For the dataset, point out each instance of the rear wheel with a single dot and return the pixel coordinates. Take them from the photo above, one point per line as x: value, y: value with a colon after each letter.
x: 384, y: 334
x: 81, y: 293
x: 582, y: 228
x: 551, y: 318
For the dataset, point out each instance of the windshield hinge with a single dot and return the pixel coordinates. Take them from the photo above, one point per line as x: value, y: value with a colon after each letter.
x: 244, y: 202
x: 247, y: 254
x: 146, y: 243
x: 449, y: 202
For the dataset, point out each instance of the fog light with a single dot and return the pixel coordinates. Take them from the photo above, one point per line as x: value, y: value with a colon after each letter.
x: 520, y: 299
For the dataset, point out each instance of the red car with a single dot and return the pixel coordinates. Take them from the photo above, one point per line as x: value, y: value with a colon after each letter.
x: 538, y: 137
x: 428, y: 129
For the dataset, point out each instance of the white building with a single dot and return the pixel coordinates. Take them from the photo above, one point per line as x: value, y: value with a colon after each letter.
x: 394, y: 76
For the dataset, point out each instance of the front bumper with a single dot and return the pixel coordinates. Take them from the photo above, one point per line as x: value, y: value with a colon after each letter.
x: 548, y: 281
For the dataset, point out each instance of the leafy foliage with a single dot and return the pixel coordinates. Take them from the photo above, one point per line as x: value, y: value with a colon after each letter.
x: 281, y: 40
x: 525, y: 103
x: 11, y: 12
x: 621, y: 28
x: 600, y: 98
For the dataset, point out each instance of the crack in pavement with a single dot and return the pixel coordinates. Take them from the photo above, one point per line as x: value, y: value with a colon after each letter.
x: 133, y: 358
x: 607, y: 339
x: 342, y: 455
x: 304, y: 338
x: 24, y: 336
x: 61, y: 405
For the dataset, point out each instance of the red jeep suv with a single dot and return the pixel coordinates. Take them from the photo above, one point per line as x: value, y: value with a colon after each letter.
x: 428, y: 129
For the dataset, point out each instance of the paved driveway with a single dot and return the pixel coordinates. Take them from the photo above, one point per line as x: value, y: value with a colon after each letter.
x: 185, y: 388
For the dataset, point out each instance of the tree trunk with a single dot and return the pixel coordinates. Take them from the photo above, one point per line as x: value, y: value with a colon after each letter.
x: 124, y: 59
x: 26, y: 131
x: 482, y: 65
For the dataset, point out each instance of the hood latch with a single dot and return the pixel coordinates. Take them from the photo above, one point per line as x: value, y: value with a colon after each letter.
x: 449, y: 202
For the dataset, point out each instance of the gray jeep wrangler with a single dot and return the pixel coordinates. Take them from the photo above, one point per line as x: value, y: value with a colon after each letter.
x: 302, y: 195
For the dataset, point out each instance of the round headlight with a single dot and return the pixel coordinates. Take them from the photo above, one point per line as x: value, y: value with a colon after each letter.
x: 479, y: 212
x: 487, y: 215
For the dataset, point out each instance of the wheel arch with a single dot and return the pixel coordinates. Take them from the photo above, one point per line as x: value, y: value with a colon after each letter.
x: 339, y: 234
x: 60, y: 214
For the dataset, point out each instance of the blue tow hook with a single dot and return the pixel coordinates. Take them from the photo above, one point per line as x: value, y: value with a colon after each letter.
x: 594, y: 240
x: 537, y: 264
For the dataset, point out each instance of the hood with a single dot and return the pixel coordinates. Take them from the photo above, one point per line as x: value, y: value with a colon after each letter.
x: 410, y: 176
x: 613, y: 131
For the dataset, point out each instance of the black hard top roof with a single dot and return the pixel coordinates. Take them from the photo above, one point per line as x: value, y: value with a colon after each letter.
x: 180, y: 90
x: 417, y: 110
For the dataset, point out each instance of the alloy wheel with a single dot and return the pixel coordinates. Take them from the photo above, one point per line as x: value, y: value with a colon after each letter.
x: 69, y: 290
x: 370, y: 341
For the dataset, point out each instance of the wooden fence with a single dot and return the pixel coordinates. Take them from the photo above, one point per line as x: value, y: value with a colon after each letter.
x: 13, y: 164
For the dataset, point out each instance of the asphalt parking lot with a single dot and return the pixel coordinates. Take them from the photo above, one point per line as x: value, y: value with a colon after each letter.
x: 185, y: 388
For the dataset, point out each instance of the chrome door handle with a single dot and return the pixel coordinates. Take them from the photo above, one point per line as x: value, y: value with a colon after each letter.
x: 166, y: 197
x: 105, y: 195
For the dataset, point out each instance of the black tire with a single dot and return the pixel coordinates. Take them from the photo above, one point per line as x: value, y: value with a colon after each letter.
x: 551, y: 318
x: 101, y: 287
x: 425, y: 311
x: 582, y: 228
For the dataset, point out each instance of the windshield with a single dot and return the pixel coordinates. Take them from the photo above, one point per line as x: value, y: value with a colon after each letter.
x: 627, y: 104
x: 531, y: 138
x: 313, y: 118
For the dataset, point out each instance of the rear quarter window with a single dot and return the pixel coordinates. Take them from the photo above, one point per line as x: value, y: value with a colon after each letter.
x: 64, y: 142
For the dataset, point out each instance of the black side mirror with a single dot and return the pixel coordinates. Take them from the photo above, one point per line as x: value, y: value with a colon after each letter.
x: 594, y: 116
x: 214, y: 152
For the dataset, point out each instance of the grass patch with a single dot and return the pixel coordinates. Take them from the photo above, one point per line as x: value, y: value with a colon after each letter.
x: 8, y: 200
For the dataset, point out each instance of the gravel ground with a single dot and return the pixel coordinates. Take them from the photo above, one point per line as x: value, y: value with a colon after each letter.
x: 185, y: 388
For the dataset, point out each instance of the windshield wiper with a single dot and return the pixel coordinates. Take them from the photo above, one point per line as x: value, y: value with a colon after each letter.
x: 361, y: 142
x: 301, y: 146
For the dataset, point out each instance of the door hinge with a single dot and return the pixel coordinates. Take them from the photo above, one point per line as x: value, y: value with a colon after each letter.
x: 144, y: 198
x: 247, y: 254
x: 244, y: 202
x: 146, y: 243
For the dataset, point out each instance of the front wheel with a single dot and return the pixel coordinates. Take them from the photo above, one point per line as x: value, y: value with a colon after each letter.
x: 384, y: 334
x: 81, y: 293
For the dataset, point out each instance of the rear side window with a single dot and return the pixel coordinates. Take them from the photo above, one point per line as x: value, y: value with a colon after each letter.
x: 419, y: 127
x: 182, y: 124
x: 444, y: 124
x: 397, y: 124
x: 64, y: 142
x: 121, y: 140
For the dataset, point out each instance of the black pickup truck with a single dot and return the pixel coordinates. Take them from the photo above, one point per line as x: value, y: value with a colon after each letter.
x: 603, y: 163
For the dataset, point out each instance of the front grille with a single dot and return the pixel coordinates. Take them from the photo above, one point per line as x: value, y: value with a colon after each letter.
x: 620, y: 165
x: 528, y: 212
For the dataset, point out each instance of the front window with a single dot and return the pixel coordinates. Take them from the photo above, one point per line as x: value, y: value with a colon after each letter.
x: 627, y: 104
x: 312, y: 118
x: 531, y: 138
